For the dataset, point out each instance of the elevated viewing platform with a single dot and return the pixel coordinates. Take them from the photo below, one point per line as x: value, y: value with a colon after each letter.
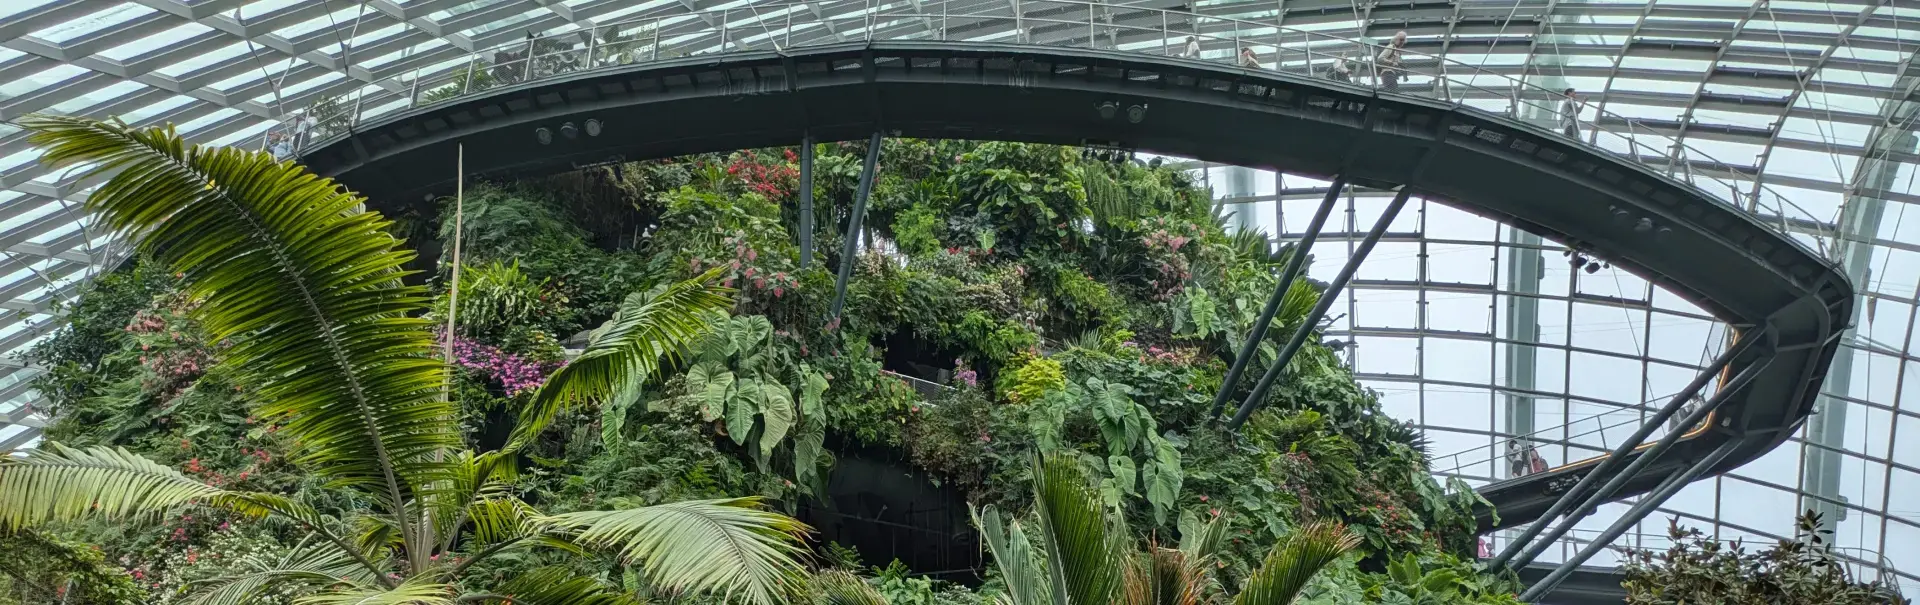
x: 1103, y: 75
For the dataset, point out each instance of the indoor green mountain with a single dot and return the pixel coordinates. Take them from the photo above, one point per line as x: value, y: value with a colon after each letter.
x: 632, y: 383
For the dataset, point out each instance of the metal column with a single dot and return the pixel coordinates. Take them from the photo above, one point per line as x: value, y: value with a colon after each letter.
x: 1613, y: 459
x: 1320, y: 308
x: 806, y: 200
x: 1295, y: 264
x: 851, y: 246
x: 1673, y: 484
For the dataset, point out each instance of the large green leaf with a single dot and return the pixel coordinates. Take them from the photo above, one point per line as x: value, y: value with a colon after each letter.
x: 708, y: 383
x: 732, y: 548
x: 303, y: 282
x: 649, y: 328
x: 776, y: 412
x: 814, y: 387
x: 742, y: 404
x: 1124, y: 473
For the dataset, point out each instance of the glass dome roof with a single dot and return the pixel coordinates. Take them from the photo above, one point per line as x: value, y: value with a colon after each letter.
x: 1473, y: 329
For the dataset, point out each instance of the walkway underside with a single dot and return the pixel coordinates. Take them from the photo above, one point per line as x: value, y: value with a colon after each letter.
x: 1711, y: 254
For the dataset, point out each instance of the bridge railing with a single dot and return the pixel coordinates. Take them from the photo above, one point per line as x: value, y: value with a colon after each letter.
x: 1364, y: 63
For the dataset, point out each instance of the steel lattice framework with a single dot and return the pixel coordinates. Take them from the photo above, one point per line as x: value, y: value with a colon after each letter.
x: 1806, y: 107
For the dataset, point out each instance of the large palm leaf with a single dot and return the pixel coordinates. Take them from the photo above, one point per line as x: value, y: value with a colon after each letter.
x: 301, y: 280
x: 552, y: 586
x: 57, y: 483
x: 1294, y: 561
x: 312, y: 562
x: 844, y: 588
x: 730, y: 547
x: 649, y: 327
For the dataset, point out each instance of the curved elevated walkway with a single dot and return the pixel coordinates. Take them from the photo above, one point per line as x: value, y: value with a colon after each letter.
x: 1714, y: 255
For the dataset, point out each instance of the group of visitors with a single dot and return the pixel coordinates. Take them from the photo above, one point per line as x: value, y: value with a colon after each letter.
x: 1523, y: 460
x: 285, y: 143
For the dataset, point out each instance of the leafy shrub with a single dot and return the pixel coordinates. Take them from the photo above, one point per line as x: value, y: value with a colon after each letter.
x: 1699, y: 569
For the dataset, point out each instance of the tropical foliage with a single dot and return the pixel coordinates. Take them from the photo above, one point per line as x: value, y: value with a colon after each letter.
x: 303, y: 291
x: 1808, y: 569
x: 638, y: 347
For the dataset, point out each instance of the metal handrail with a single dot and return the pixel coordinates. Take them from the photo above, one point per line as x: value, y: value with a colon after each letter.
x: 1073, y: 23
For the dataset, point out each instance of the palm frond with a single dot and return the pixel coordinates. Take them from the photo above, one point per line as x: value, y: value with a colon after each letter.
x: 1025, y: 575
x: 728, y: 547
x: 415, y: 591
x: 629, y: 348
x: 1074, y: 532
x: 839, y: 587
x: 57, y: 483
x: 1202, y: 539
x: 1172, y: 577
x: 1294, y: 561
x: 303, y: 282
x: 557, y: 586
x: 312, y: 561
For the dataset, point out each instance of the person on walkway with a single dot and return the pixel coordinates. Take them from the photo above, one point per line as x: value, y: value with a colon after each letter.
x: 1247, y: 59
x: 1570, y: 107
x: 1516, y: 460
x: 1389, y: 60
x: 278, y: 145
x: 1340, y: 71
x: 1192, y: 51
x: 303, y: 125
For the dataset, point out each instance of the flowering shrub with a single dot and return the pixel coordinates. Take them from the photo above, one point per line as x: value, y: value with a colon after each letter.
x: 172, y: 351
x: 514, y: 374
x: 774, y: 178
x: 1168, y: 267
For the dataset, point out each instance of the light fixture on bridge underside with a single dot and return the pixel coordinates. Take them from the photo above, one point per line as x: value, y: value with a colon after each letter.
x: 593, y: 127
x: 1136, y: 113
x: 543, y: 135
x: 570, y: 131
x: 1107, y: 109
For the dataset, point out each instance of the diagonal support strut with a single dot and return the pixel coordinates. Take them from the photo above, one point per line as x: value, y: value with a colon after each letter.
x: 1668, y: 487
x: 1295, y: 264
x: 1320, y: 309
x: 1615, y: 458
x: 851, y: 246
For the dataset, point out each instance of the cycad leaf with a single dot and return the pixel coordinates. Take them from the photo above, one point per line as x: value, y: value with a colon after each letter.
x: 1074, y: 532
x: 559, y: 586
x: 726, y: 547
x: 1026, y: 576
x: 303, y: 282
x: 630, y: 348
x: 1294, y: 561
